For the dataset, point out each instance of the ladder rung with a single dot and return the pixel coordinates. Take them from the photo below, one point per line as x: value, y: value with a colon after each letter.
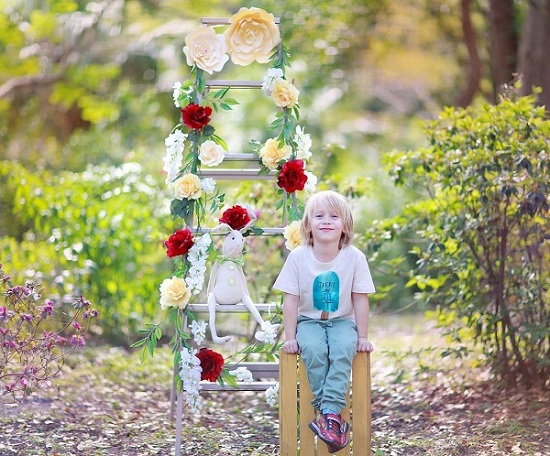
x: 238, y: 174
x: 231, y: 308
x: 225, y: 20
x: 241, y: 386
x: 240, y: 157
x: 269, y: 231
x: 234, y: 84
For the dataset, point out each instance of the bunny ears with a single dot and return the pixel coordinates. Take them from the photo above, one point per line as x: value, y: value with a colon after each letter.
x: 236, y: 218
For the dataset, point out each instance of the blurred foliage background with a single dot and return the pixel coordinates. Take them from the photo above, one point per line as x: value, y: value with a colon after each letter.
x: 86, y: 102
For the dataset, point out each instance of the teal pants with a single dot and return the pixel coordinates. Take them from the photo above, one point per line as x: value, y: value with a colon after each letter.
x: 327, y: 350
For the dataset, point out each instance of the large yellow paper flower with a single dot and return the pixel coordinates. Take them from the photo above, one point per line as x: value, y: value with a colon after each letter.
x: 292, y: 235
x: 187, y: 186
x: 251, y: 36
x: 272, y: 153
x: 174, y: 293
x: 206, y: 49
x: 284, y: 93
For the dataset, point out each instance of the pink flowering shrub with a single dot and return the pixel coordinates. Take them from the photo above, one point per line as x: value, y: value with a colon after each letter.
x: 36, y: 336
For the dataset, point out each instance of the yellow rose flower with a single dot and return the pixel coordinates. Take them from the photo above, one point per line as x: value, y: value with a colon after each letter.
x: 187, y: 186
x: 174, y: 293
x: 210, y: 153
x: 251, y: 36
x: 206, y: 49
x: 292, y: 235
x: 271, y: 153
x: 284, y: 93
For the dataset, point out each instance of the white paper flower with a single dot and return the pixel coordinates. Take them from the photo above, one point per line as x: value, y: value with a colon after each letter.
x: 176, y: 93
x: 210, y: 153
x: 311, y: 183
x: 190, y: 374
x: 268, y: 334
x: 206, y: 49
x: 303, y: 144
x: 198, y: 329
x: 175, y: 144
x: 272, y: 395
x: 269, y: 79
x: 242, y: 374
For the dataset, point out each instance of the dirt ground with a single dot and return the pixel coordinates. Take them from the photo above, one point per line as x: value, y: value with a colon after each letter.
x: 106, y: 403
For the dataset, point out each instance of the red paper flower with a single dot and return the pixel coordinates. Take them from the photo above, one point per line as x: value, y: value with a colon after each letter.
x: 292, y: 176
x: 179, y: 243
x: 211, y: 364
x: 236, y: 217
x: 195, y: 116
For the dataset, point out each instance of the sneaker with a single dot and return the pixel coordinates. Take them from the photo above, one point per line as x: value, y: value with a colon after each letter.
x: 344, y: 439
x: 327, y: 428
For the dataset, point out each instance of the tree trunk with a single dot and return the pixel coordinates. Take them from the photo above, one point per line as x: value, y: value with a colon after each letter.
x: 534, y: 52
x: 466, y: 96
x: 504, y: 42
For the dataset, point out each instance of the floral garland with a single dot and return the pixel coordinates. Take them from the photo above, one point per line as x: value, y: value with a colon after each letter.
x: 251, y: 36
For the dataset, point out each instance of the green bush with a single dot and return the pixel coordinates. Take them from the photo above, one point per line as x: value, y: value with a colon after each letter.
x: 95, y: 233
x: 481, y: 231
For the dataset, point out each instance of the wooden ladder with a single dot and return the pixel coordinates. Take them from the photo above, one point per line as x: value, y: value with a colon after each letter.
x: 296, y: 411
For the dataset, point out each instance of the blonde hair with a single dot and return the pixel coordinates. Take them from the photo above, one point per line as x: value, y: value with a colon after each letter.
x: 334, y: 201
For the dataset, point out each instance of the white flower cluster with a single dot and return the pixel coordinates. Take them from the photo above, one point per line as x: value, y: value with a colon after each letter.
x: 190, y: 373
x: 242, y: 374
x: 270, y: 78
x: 268, y: 334
x: 272, y: 395
x: 175, y: 144
x: 198, y: 329
x: 197, y: 256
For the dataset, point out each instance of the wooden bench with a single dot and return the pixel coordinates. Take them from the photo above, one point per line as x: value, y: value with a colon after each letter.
x: 296, y: 412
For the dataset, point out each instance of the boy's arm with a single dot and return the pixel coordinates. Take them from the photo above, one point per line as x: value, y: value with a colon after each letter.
x: 290, y: 321
x: 361, y: 309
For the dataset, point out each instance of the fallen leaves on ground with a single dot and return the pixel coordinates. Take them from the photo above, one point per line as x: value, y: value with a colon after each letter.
x: 106, y: 403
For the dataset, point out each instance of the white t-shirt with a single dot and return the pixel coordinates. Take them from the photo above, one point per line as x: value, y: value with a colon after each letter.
x: 325, y: 286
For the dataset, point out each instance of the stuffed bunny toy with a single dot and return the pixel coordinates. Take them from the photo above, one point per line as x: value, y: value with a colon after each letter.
x: 227, y: 283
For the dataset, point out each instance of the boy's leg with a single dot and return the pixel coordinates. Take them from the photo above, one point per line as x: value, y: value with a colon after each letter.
x: 342, y: 346
x: 312, y: 339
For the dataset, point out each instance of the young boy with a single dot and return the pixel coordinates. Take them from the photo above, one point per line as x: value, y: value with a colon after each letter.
x: 326, y: 282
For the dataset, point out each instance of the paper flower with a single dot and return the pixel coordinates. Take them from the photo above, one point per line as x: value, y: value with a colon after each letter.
x: 251, y: 36
x: 206, y: 49
x: 292, y: 176
x: 179, y: 243
x: 293, y: 235
x: 284, y: 94
x: 237, y: 217
x: 174, y: 293
x: 195, y: 116
x: 272, y: 153
x: 211, y: 364
x: 187, y: 186
x: 210, y: 153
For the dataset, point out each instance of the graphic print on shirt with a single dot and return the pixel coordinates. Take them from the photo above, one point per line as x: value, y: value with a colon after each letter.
x: 326, y: 292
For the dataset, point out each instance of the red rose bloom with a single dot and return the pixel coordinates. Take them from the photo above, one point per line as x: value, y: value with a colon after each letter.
x: 236, y: 217
x: 195, y: 116
x: 211, y: 364
x: 179, y: 243
x: 292, y: 176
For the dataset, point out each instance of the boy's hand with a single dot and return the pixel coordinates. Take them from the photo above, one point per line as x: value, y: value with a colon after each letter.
x: 363, y: 345
x: 291, y: 346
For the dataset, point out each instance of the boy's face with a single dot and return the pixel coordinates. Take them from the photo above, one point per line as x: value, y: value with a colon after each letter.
x: 326, y: 225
